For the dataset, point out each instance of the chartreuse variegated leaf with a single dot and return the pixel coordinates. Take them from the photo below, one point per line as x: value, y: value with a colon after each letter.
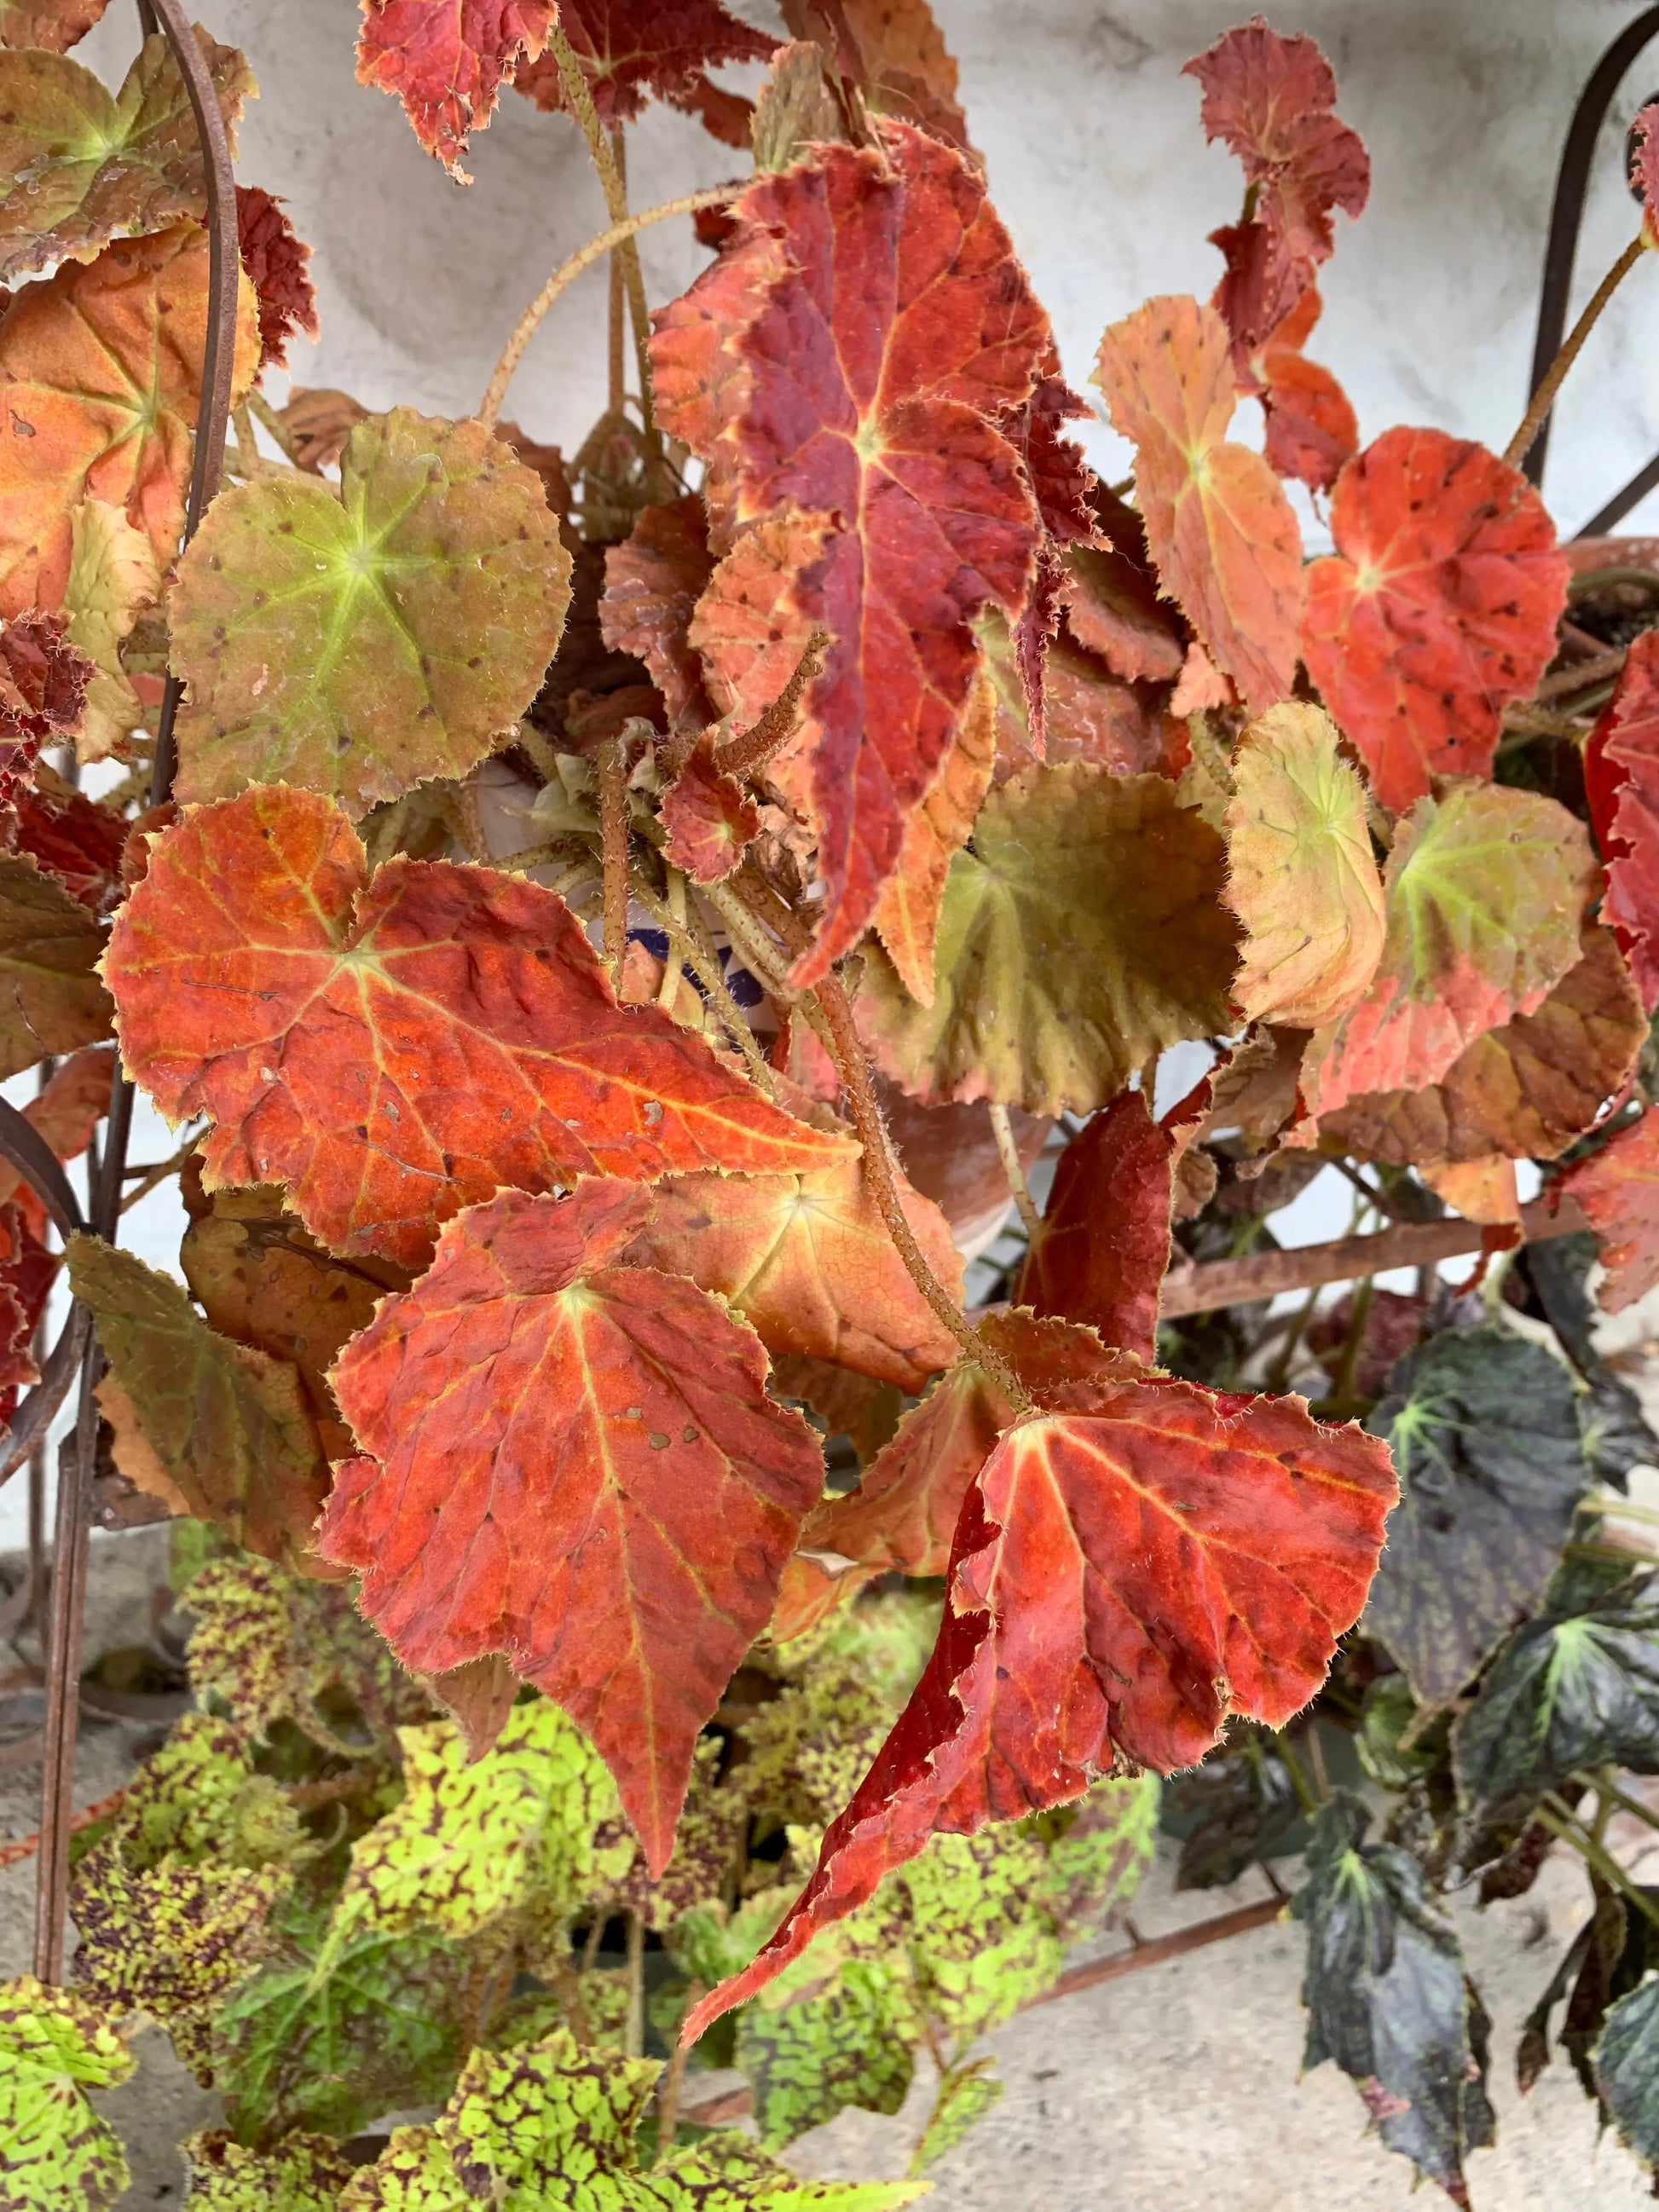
x: 82, y: 165
x: 1484, y: 1428
x: 1098, y: 1849
x: 198, y: 1799
x: 852, y: 2045
x: 546, y: 2125
x: 1563, y: 1694
x: 1082, y: 931
x: 357, y: 643
x: 57, y: 2154
x: 301, y: 2173
x: 1627, y: 2062
x: 1388, y: 1998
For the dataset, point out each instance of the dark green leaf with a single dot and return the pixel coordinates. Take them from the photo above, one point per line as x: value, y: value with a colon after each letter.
x: 1484, y: 1427
x: 1627, y: 2069
x: 1388, y: 1998
x: 1243, y: 1804
x: 1617, y: 1437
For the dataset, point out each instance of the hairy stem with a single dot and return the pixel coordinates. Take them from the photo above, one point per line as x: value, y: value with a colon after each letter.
x: 617, y: 314
x: 1544, y: 398
x: 612, y: 765
x: 567, y: 273
x: 674, y: 960
x: 673, y: 2080
x: 747, y: 755
x: 682, y: 946
x: 633, y: 2023
x: 160, y: 1172
x: 1008, y: 1153
x: 268, y: 419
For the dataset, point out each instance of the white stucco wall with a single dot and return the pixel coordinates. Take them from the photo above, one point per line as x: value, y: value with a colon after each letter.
x: 1096, y: 161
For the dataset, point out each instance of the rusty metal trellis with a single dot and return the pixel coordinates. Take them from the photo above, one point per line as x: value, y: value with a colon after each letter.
x: 23, y: 1150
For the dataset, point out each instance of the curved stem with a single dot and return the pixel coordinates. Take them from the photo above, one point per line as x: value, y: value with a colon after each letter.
x: 684, y: 946
x: 567, y: 273
x: 1544, y: 398
x: 747, y: 755
x: 1003, y: 1130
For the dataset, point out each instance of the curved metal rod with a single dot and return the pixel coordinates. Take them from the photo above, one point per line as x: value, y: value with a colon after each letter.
x: 23, y: 1147
x: 69, y: 1581
x: 1567, y: 213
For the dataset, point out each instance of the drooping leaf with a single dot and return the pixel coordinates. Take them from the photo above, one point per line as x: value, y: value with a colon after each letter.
x: 577, y: 1464
x: 229, y: 1425
x: 51, y: 24
x: 905, y: 1509
x: 1217, y: 522
x: 301, y: 2173
x: 1526, y: 1090
x: 472, y: 1841
x: 652, y: 583
x: 632, y: 51
x: 82, y: 166
x: 1568, y: 1693
x: 113, y: 576
x: 1618, y: 1188
x: 807, y: 1261
x: 330, y: 2042
x: 1437, y: 608
x: 965, y: 2094
x: 1621, y: 782
x: 1274, y: 100
x: 99, y: 381
x: 1242, y: 1806
x: 1388, y: 1998
x: 1625, y: 2061
x: 44, y: 677
x: 1312, y: 432
x: 260, y: 1277
x: 1112, y: 608
x: 75, y: 839
x: 391, y: 1050
x: 1484, y: 1429
x: 54, y: 2046
x: 358, y: 644
x: 1082, y: 931
x: 906, y: 915
x: 1104, y: 1245
x: 1133, y: 1569
x: 446, y: 60
x: 888, y: 432
x: 892, y: 53
x: 51, y: 999
x: 275, y: 258
x: 1301, y: 878
x: 794, y: 108
x: 1485, y: 894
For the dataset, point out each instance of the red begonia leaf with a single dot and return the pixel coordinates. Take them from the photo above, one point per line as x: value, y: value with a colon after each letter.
x: 1437, y: 608
x: 652, y: 583
x: 574, y: 1462
x: 446, y: 59
x: 1621, y: 782
x: 1618, y: 1188
x: 907, y: 913
x: 73, y: 838
x: 808, y: 1262
x: 393, y: 1048
x: 28, y: 1272
x: 1483, y: 897
x: 709, y: 819
x: 1218, y: 525
x: 892, y: 53
x: 54, y: 25
x: 1061, y: 482
x: 1272, y: 100
x: 275, y: 257
x: 876, y: 372
x: 1091, y: 715
x: 1112, y: 608
x: 1104, y: 1246
x: 43, y: 694
x: 101, y: 373
x: 1312, y: 432
x: 1643, y: 137
x: 632, y: 51
x: 907, y: 1504
x: 1124, y: 1575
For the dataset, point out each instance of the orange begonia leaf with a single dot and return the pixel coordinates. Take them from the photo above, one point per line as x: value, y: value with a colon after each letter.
x: 52, y: 25
x: 1301, y: 877
x: 574, y: 1461
x: 446, y: 59
x: 906, y: 1507
x: 1482, y: 1189
x: 1621, y: 782
x: 807, y: 1261
x: 1484, y: 894
x: 394, y: 1049
x: 43, y: 695
x: 361, y: 641
x: 1312, y: 431
x: 652, y: 583
x: 747, y: 630
x: 1437, y: 608
x: 907, y: 913
x: 80, y: 165
x: 100, y: 380
x: 275, y: 258
x: 708, y: 816
x: 1112, y: 608
x: 1218, y: 525
x: 1618, y: 1188
x: 1526, y: 1090
x: 876, y: 372
x: 1272, y: 100
x: 892, y: 53
x: 1126, y: 1573
x: 632, y: 51
x: 1104, y: 1245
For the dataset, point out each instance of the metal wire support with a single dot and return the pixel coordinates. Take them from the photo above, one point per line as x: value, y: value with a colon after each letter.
x: 1561, y: 252
x: 18, y: 1142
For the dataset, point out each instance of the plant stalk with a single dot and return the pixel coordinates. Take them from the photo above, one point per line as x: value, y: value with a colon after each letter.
x: 1008, y: 1153
x: 634, y: 2024
x: 1544, y: 398
x: 612, y: 766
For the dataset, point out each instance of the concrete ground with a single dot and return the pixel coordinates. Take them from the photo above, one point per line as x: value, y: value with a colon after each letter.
x: 1172, y: 2090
